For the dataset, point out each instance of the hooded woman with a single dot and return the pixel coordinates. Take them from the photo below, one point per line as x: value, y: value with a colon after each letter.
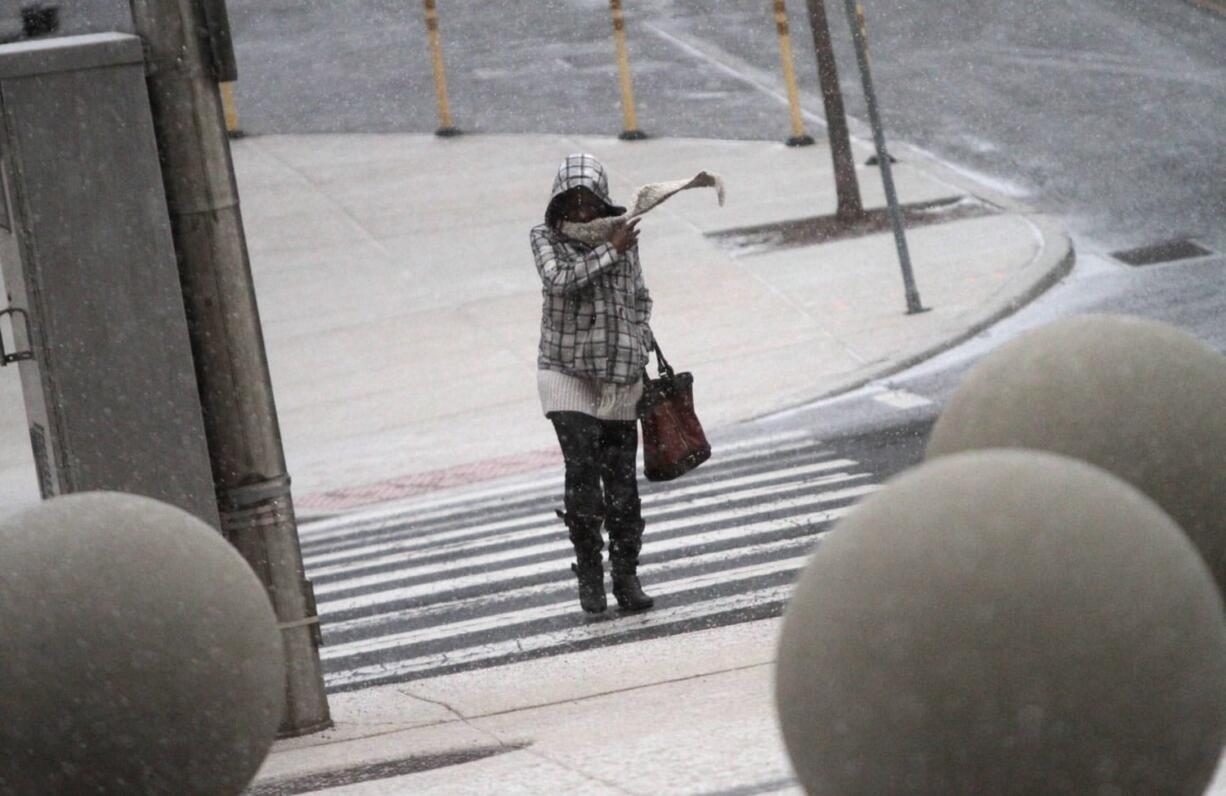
x: 594, y: 344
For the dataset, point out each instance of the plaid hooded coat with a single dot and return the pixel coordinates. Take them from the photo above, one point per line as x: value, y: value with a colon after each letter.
x: 596, y: 308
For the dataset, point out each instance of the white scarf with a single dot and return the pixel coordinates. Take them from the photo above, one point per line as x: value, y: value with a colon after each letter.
x: 594, y: 233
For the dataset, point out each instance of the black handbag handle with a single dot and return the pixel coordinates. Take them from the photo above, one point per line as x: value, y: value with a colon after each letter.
x: 662, y: 366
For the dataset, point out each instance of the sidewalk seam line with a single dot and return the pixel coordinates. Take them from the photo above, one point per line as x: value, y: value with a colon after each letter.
x: 625, y: 690
x: 317, y: 189
x: 404, y: 690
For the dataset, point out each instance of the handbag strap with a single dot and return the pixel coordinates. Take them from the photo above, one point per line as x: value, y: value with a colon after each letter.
x: 662, y: 366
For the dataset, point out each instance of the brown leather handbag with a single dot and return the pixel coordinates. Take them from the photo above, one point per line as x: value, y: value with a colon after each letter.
x: 673, y: 439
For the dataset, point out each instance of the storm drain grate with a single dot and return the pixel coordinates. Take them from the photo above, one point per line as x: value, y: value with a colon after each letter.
x: 1164, y: 252
x: 377, y: 771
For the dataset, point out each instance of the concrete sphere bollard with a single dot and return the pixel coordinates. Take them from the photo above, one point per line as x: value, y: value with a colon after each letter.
x: 1004, y: 622
x: 139, y: 654
x: 1140, y: 399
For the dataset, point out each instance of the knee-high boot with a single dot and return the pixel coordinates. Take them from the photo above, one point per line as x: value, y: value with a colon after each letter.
x: 588, y: 567
x: 625, y: 541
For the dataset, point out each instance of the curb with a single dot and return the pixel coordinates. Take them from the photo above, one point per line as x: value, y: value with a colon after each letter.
x: 1055, y: 260
x: 1055, y: 263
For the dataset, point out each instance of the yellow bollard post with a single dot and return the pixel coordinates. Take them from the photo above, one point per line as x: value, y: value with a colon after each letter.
x: 445, y: 129
x: 631, y: 131
x: 229, y: 109
x: 799, y: 136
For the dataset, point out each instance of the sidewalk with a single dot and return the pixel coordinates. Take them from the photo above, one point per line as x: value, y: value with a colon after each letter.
x: 401, y: 306
x: 389, y: 264
x: 688, y: 714
x: 669, y: 721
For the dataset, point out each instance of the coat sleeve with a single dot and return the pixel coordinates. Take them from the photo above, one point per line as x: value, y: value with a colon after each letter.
x: 642, y: 302
x: 562, y: 272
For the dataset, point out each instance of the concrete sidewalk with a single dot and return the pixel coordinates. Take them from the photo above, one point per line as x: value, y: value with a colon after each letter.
x: 401, y: 306
x: 688, y: 714
x: 671, y: 720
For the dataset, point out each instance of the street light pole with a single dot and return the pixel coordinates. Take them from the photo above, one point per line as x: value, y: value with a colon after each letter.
x: 855, y: 15
x: 240, y: 417
x: 845, y: 184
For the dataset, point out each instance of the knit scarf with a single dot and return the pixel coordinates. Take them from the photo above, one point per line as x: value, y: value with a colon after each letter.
x: 594, y: 233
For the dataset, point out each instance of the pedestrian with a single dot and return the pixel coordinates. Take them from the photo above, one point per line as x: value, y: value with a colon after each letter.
x: 595, y: 339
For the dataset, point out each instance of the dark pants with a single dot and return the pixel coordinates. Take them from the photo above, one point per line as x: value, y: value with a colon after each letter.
x: 599, y: 452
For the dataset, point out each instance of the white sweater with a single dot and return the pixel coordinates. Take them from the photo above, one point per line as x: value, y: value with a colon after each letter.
x: 561, y: 392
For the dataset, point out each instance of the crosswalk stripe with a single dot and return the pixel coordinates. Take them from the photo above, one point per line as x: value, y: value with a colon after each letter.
x: 901, y: 399
x: 420, y: 532
x: 547, y: 530
x: 324, y: 564
x: 560, y: 544
x: 560, y: 638
x: 652, y: 571
x: 493, y: 578
x: 422, y: 509
x: 554, y: 609
x: 767, y: 441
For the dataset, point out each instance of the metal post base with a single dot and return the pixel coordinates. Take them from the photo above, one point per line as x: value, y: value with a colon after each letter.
x: 258, y: 519
x: 632, y: 135
x: 447, y: 132
x: 284, y: 732
x: 800, y: 140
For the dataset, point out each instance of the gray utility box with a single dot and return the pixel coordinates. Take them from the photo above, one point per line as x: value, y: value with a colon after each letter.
x: 94, y: 319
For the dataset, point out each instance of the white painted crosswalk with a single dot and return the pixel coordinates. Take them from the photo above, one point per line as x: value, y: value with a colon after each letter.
x: 483, y: 578
x: 471, y: 554
x: 505, y: 531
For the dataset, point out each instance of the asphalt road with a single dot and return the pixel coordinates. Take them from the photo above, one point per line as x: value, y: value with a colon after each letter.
x: 1107, y: 113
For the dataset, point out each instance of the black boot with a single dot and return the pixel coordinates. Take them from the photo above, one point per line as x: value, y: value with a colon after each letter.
x: 588, y: 567
x: 625, y: 541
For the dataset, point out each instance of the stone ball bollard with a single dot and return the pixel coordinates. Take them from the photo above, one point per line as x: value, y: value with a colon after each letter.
x: 1004, y: 622
x: 139, y: 653
x: 1140, y: 399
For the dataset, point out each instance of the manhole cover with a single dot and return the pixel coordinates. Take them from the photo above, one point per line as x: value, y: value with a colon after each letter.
x: 1164, y: 252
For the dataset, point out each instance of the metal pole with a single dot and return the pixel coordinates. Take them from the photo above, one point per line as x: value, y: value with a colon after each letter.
x: 845, y: 183
x: 230, y: 109
x: 240, y: 417
x: 855, y: 15
x: 631, y: 131
x: 799, y: 136
x: 445, y: 127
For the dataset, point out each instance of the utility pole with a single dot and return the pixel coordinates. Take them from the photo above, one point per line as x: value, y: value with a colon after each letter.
x: 848, y: 189
x: 240, y: 417
x: 859, y: 35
